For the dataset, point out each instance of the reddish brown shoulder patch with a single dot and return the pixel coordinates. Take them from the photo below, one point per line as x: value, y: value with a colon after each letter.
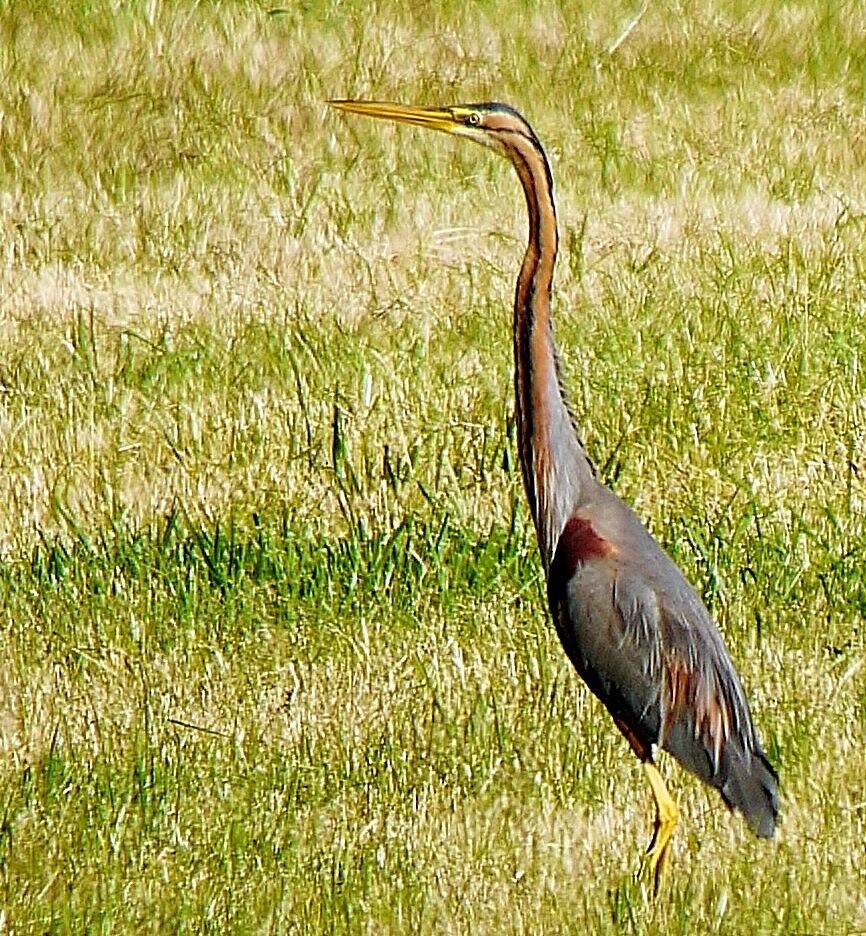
x: 578, y: 543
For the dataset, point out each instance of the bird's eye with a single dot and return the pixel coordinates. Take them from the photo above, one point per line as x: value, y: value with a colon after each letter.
x: 474, y: 119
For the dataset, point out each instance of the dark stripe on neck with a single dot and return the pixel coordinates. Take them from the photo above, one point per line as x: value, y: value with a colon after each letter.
x: 537, y: 197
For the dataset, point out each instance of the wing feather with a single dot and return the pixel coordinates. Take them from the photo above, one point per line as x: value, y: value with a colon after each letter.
x: 645, y: 644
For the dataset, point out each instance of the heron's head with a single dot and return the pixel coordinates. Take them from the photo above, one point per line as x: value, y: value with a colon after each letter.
x: 489, y: 124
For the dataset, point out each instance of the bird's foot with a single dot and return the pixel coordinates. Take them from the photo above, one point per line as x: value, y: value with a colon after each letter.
x: 658, y: 852
x: 655, y: 861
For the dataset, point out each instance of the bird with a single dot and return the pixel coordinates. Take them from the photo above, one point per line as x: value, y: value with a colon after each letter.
x: 631, y: 624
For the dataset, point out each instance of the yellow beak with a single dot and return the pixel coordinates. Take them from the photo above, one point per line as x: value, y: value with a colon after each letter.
x: 436, y: 118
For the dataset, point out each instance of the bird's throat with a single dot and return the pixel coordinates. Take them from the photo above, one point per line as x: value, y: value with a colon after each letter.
x: 555, y: 467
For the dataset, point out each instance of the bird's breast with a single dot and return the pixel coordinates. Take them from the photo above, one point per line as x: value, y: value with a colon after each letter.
x: 578, y: 543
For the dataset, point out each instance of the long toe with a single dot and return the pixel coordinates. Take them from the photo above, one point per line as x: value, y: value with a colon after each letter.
x: 657, y: 855
x: 667, y: 814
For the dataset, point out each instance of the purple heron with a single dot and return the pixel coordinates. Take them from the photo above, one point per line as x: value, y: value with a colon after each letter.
x: 635, y: 630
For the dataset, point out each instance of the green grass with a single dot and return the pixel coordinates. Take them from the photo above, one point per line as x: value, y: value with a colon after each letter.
x: 274, y: 655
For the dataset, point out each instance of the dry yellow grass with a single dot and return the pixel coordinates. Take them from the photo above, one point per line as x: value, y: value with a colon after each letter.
x: 275, y: 655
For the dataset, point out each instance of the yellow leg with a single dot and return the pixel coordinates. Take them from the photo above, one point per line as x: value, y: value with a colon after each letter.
x: 666, y: 821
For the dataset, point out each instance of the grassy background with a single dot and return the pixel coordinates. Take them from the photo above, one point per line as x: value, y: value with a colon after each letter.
x: 274, y: 649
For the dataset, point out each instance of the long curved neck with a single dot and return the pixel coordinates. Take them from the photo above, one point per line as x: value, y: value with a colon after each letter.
x: 556, y: 470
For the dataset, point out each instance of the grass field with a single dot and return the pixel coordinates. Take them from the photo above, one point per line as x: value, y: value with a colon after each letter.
x: 274, y: 653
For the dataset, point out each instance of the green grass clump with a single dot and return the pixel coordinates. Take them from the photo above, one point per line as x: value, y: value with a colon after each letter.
x: 275, y: 656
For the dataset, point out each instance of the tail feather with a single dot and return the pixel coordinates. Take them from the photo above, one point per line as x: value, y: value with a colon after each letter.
x: 751, y: 785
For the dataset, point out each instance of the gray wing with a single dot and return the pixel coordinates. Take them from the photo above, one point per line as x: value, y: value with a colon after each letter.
x: 645, y: 644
